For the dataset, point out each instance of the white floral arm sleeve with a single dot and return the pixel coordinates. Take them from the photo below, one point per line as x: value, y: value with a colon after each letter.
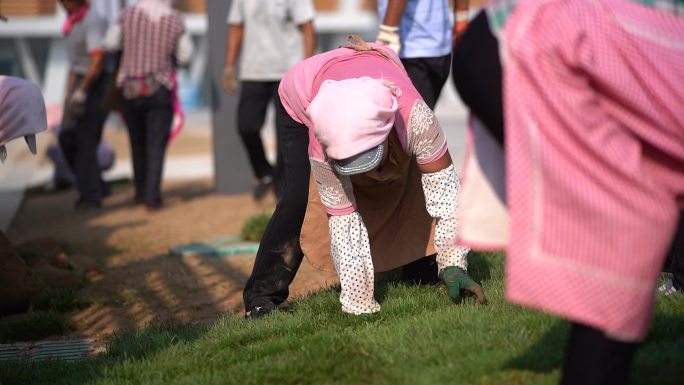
x: 350, y: 249
x: 337, y: 194
x: 441, y: 200
x: 426, y: 140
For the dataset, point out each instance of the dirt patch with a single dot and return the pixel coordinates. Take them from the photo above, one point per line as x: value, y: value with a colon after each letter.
x: 124, y: 250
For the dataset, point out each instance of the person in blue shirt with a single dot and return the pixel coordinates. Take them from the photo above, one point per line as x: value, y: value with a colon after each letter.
x: 419, y: 31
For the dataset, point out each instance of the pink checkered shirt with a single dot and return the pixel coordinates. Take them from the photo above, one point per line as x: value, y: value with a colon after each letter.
x: 148, y: 46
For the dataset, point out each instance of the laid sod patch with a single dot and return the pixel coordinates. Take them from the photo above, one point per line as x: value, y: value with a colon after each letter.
x: 418, y: 338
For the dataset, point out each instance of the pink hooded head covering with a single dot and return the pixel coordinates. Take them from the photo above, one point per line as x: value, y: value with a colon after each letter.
x: 352, y: 116
x: 22, y: 112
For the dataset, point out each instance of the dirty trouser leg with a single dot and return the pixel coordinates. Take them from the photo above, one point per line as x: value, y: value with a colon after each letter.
x: 279, y: 254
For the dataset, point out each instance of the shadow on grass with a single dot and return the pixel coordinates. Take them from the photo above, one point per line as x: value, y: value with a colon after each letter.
x: 479, y: 265
x: 659, y: 359
x: 546, y: 355
x: 135, y: 346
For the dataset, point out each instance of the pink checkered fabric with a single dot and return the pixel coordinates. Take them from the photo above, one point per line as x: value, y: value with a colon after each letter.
x: 595, y: 157
x: 149, y: 45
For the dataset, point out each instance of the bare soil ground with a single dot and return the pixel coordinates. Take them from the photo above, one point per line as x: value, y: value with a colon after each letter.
x: 136, y: 281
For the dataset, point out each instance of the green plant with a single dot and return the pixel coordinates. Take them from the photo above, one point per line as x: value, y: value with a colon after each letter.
x: 254, y: 227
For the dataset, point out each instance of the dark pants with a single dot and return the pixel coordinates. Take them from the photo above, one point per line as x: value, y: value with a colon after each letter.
x: 149, y: 122
x: 476, y: 72
x: 591, y: 357
x: 279, y: 254
x: 79, y: 139
x: 254, y: 99
x: 675, y: 256
x: 428, y: 75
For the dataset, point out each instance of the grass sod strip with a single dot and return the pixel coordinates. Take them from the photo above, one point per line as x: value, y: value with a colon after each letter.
x: 418, y: 338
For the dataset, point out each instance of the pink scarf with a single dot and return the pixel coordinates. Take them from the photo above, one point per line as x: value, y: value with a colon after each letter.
x: 352, y: 115
x: 74, y: 19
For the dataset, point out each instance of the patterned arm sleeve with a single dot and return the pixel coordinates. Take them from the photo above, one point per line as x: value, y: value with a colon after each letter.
x: 441, y: 200
x: 350, y: 249
x: 428, y: 143
x: 335, y: 190
x: 426, y: 139
x: 349, y: 243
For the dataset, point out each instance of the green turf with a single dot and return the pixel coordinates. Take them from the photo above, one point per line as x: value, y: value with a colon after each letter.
x: 418, y: 338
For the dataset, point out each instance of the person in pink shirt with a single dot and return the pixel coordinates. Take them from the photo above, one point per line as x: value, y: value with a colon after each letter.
x: 583, y: 128
x: 336, y: 114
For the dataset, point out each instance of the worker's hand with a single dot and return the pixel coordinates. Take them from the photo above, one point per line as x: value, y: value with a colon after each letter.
x: 460, y: 285
x: 389, y: 36
x: 459, y: 29
x: 461, y: 19
x: 76, y: 103
x: 229, y: 80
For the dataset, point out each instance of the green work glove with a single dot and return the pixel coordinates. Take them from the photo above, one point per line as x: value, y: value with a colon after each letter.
x: 461, y: 285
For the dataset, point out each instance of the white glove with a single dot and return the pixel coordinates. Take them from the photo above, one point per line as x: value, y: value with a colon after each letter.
x: 389, y: 36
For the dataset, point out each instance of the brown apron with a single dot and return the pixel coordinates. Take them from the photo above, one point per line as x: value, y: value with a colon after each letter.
x: 392, y: 205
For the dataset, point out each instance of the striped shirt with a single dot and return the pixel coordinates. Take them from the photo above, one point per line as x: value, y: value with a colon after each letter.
x: 149, y: 46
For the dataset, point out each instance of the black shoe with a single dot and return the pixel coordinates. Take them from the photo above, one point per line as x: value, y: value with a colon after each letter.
x: 257, y: 312
x: 262, y: 187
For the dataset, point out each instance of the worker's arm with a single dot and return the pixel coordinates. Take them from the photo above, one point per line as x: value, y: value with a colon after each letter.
x: 309, y: 38
x: 234, y: 45
x: 388, y: 32
x: 461, y: 19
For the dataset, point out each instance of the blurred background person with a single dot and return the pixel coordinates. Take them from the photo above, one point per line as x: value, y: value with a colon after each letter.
x: 22, y: 112
x: 270, y: 36
x: 84, y: 109
x: 63, y: 177
x: 593, y: 131
x: 420, y: 32
x: 153, y: 41
x: 22, y: 116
